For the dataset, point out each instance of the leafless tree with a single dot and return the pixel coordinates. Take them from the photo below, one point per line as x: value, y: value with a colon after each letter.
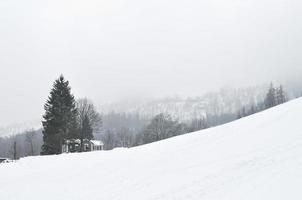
x: 109, y: 139
x: 125, y: 137
x: 30, y: 136
x: 14, y: 148
x: 87, y: 114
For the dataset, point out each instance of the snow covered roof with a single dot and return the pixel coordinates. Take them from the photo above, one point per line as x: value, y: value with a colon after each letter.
x: 77, y: 141
x: 97, y: 142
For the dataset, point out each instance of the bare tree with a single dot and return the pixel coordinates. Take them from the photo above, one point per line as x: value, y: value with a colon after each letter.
x: 109, y: 139
x: 161, y: 127
x: 125, y: 137
x: 88, y: 119
x: 198, y: 124
x: 29, y: 137
x: 14, y: 148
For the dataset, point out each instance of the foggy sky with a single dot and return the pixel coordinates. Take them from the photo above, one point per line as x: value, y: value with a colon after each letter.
x: 117, y: 49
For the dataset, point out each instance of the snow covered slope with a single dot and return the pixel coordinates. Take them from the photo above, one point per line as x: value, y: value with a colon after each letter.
x: 258, y: 157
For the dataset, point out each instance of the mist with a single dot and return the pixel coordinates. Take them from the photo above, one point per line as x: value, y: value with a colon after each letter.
x: 113, y: 50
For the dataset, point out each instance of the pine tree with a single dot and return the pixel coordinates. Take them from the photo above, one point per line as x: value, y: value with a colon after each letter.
x: 60, y: 117
x: 271, y: 100
x: 281, y: 97
x: 275, y: 96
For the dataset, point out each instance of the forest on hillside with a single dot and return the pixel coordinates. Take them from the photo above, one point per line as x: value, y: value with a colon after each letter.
x: 128, y: 129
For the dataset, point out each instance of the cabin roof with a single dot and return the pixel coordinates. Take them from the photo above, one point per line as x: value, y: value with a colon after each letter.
x: 78, y: 141
x: 97, y: 142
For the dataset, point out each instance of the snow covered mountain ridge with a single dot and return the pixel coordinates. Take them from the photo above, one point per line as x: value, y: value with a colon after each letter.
x: 257, y: 157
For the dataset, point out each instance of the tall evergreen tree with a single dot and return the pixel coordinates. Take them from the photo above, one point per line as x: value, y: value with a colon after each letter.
x: 271, y: 100
x: 60, y: 119
x: 275, y: 96
x: 281, y: 96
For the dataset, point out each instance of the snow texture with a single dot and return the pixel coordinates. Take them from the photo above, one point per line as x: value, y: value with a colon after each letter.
x: 257, y: 157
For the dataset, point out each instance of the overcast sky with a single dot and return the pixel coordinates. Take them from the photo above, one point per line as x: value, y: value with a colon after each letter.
x: 116, y: 49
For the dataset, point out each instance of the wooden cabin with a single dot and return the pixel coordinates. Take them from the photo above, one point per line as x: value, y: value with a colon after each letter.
x: 74, y: 145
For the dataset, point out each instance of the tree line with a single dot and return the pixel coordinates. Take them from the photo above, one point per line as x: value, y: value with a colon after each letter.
x: 274, y: 96
x: 22, y: 145
x: 67, y: 118
x: 161, y: 126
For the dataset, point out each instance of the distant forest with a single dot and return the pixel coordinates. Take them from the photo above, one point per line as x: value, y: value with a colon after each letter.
x: 129, y: 129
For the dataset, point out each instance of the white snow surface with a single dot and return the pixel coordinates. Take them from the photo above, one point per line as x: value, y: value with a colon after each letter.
x: 258, y: 157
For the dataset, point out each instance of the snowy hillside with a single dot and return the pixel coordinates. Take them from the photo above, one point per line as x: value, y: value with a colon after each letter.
x: 258, y: 157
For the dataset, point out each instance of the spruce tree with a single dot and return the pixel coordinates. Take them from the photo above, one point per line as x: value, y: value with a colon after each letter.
x: 60, y: 119
x: 271, y: 100
x: 281, y: 97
